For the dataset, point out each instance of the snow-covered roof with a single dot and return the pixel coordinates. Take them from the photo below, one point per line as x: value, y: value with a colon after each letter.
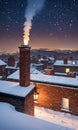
x: 58, y: 73
x: 2, y: 63
x: 33, y: 70
x: 57, y: 117
x: 15, y: 89
x: 11, y: 67
x: 39, y: 64
x: 57, y: 80
x: 10, y: 119
x: 42, y: 59
x: 69, y: 63
x: 51, y: 58
x: 0, y: 77
x: 15, y: 75
x: 50, y: 79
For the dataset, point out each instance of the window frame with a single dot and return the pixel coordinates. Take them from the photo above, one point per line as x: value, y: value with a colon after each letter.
x: 63, y: 104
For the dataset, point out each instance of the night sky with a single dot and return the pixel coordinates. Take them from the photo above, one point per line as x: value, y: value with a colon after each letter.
x: 54, y: 27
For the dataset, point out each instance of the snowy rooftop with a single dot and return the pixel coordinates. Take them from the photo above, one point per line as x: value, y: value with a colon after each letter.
x: 69, y: 63
x: 56, y: 117
x: 34, y: 70
x: 14, y: 89
x: 39, y: 64
x: 41, y: 59
x: 59, y: 80
x: 10, y: 119
x: 11, y: 67
x: 51, y: 58
x: 2, y: 63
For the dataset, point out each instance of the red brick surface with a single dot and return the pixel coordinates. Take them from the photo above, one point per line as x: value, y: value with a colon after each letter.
x: 51, y: 97
x: 24, y: 66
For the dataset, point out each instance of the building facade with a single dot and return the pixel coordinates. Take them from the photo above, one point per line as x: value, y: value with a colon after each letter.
x: 56, y: 97
x: 65, y: 66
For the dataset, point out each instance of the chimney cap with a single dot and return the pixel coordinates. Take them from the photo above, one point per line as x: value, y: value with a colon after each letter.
x: 24, y: 46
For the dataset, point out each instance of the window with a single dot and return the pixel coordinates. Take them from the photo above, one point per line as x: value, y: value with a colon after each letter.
x: 73, y: 62
x: 67, y: 70
x: 65, y: 103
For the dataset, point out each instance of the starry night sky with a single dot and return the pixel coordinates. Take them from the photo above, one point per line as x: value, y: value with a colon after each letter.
x: 54, y: 27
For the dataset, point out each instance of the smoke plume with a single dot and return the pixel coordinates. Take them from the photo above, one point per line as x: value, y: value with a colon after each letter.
x: 33, y: 7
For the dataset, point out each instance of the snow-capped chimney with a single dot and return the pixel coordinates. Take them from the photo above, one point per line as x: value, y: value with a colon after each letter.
x: 24, y: 65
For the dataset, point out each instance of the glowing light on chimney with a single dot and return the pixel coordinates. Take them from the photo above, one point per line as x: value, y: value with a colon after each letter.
x: 25, y: 41
x: 27, y: 28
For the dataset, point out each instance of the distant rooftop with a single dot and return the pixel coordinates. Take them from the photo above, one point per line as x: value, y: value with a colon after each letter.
x: 2, y: 63
x: 49, y: 79
x: 69, y: 63
x: 11, y: 67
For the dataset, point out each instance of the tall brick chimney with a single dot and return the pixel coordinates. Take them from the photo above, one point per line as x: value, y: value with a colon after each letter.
x: 24, y: 65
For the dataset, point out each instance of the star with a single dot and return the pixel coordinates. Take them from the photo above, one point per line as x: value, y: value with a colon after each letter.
x: 16, y: 22
x: 6, y: 2
x: 71, y: 21
x: 60, y: 28
x: 55, y: 6
x: 22, y: 5
x: 70, y: 25
x: 7, y: 29
x: 55, y: 24
x: 51, y: 34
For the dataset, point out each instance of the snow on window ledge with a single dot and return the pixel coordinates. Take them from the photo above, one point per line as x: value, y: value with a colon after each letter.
x: 67, y: 110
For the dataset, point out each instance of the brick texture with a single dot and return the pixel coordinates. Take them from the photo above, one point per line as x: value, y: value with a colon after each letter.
x: 62, y: 69
x: 25, y: 105
x: 51, y: 97
x: 24, y: 66
x: 29, y: 104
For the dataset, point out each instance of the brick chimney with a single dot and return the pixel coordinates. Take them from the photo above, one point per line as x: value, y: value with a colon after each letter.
x: 49, y: 71
x: 11, y: 61
x: 24, y: 65
x: 65, y: 60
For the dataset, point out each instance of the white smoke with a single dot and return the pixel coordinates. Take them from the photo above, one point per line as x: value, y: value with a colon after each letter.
x: 33, y: 7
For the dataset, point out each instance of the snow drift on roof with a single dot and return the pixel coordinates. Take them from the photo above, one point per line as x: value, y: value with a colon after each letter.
x: 13, y: 120
x: 2, y: 63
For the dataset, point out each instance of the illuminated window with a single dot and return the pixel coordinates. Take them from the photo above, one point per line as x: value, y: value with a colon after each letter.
x: 65, y: 103
x: 67, y: 70
x: 73, y: 62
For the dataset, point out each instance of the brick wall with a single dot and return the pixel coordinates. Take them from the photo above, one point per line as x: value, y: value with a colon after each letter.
x: 13, y: 100
x: 25, y: 105
x: 2, y: 69
x: 51, y: 97
x: 11, y: 61
x: 29, y: 104
x: 61, y: 69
